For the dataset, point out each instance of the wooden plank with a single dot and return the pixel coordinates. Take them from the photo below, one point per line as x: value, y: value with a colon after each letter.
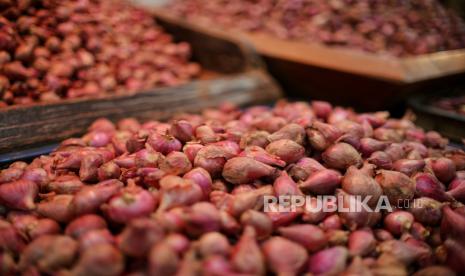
x: 407, y: 70
x: 26, y: 126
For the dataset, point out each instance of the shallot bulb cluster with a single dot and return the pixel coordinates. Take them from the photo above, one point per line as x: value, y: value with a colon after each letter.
x: 51, y: 50
x: 399, y: 28
x: 187, y: 197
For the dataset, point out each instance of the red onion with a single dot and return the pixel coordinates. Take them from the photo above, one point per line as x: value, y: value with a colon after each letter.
x: 287, y: 150
x: 10, y: 174
x: 214, y: 243
x: 200, y: 218
x: 322, y: 183
x: 64, y: 184
x: 19, y: 194
x: 259, y: 154
x: 370, y: 145
x: 426, y: 210
x: 322, y: 109
x: 49, y: 253
x: 455, y: 255
x: 90, y: 198
x: 259, y: 221
x: 361, y: 243
x: 284, y: 185
x: 341, y: 156
x: 356, y: 182
x: 284, y: 264
x: 101, y: 259
x: 83, y: 224
x: 182, y: 130
x: 202, y: 178
x: 396, y: 185
x: 403, y: 251
x: 191, y: 149
x: 302, y: 169
x: 444, y: 169
x: 331, y: 261
x: 291, y: 131
x: 57, y: 208
x: 331, y: 222
x: 428, y: 185
x: 246, y: 256
x: 398, y: 222
x: 176, y: 191
x: 255, y: 138
x: 408, y: 167
x: 129, y: 203
x: 240, y: 170
x: 11, y: 239
x: 452, y: 224
x: 138, y: 237
x: 164, y: 143
x: 309, y: 236
x: 381, y: 160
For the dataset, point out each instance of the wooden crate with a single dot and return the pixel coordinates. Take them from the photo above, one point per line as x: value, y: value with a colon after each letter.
x: 345, y: 76
x: 233, y: 72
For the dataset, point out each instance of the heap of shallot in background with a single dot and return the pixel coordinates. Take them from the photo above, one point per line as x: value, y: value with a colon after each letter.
x: 51, y: 49
x: 395, y: 27
x: 187, y: 197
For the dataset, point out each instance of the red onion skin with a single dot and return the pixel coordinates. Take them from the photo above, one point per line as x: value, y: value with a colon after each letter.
x: 64, y: 184
x: 176, y: 163
x: 419, y: 232
x: 44, y: 227
x: 147, y: 158
x: 19, y: 194
x: 36, y: 175
x: 284, y: 185
x: 164, y: 143
x: 241, y: 170
x: 259, y: 154
x: 341, y: 156
x: 403, y: 251
x: 408, y: 167
x: 287, y: 150
x: 212, y: 158
x: 322, y: 183
x: 181, y: 192
x: 191, y: 149
x: 356, y: 182
x: 353, y: 219
x: 304, y: 168
x: 361, y: 243
x: 202, y: 178
x: 246, y: 256
x: 49, y: 253
x: 452, y: 224
x: 313, y: 215
x: 309, y: 236
x: 163, y: 260
x: 101, y: 259
x: 427, y: 185
x: 284, y: 264
x: 88, y: 171
x: 381, y: 160
x: 200, y: 218
x: 331, y: 261
x: 444, y: 169
x: 427, y: 211
x: 131, y: 202
x: 290, y: 131
x: 7, y: 264
x: 331, y: 222
x: 322, y: 109
x: 83, y: 224
x: 178, y: 242
x: 369, y: 145
x: 255, y: 138
x: 398, y: 222
x: 11, y: 239
x: 435, y: 270
x: 455, y: 255
x: 89, y: 199
x: 139, y: 236
x: 259, y: 221
x: 396, y: 185
x: 458, y: 192
x: 57, y: 208
x: 337, y: 237
x: 214, y: 243
x: 182, y: 130
x: 383, y: 235
x: 10, y: 174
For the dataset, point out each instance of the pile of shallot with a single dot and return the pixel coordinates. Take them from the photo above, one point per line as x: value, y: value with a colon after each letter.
x: 394, y: 27
x: 51, y: 49
x: 186, y: 197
